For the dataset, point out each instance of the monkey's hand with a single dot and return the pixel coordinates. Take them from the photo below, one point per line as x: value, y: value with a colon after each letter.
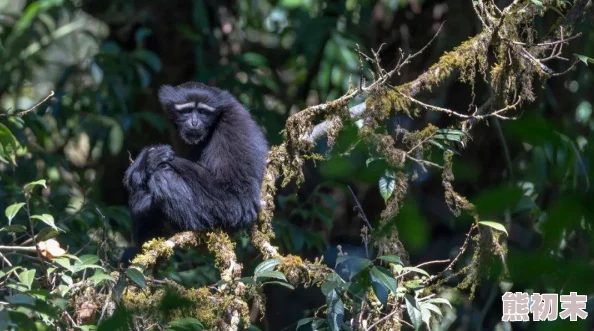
x: 146, y: 163
x: 158, y: 157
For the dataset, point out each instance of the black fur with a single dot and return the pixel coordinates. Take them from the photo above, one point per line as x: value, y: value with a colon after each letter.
x: 217, y: 185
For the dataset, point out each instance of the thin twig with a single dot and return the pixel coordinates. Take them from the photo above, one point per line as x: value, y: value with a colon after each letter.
x: 25, y: 112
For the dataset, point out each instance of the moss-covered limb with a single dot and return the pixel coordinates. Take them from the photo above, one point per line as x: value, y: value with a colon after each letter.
x: 299, y: 271
x: 159, y: 247
x: 215, y: 310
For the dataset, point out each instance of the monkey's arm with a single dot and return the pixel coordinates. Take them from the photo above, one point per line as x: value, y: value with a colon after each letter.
x: 191, y: 195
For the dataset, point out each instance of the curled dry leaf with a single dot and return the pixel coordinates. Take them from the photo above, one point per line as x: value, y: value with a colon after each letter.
x: 50, y: 248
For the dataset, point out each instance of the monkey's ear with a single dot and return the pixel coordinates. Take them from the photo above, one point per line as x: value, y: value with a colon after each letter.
x: 166, y: 95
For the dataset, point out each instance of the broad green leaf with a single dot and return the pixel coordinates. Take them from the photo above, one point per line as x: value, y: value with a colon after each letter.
x: 585, y: 59
x: 14, y: 228
x: 100, y: 276
x: 439, y: 300
x: 12, y: 210
x: 326, y: 287
x: 21, y: 299
x: 149, y: 58
x: 47, y: 219
x: 355, y: 264
x: 64, y: 263
x: 272, y: 274
x: 415, y: 269
x: 335, y: 313
x: 391, y: 259
x: 28, y: 188
x: 267, y: 265
x: 8, y: 144
x: 431, y: 307
x: 136, y: 276
x: 315, y: 322
x: 538, y: 3
x: 47, y: 234
x: 384, y: 277
x: 89, y: 259
x: 185, y: 324
x: 26, y: 277
x: 387, y: 184
x: 495, y: 225
x: 413, y: 311
x: 426, y: 316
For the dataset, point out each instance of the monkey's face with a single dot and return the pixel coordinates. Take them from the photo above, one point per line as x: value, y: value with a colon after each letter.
x: 194, y: 110
x: 194, y: 121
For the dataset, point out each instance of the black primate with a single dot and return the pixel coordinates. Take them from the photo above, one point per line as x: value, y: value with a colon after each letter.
x: 216, y: 185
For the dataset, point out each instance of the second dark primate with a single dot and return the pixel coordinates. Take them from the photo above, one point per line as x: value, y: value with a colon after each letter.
x: 217, y: 182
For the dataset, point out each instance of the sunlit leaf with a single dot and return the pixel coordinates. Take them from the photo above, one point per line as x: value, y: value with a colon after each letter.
x: 28, y: 188
x: 415, y: 269
x: 387, y: 184
x: 266, y: 265
x: 27, y: 277
x: 100, y: 276
x: 585, y: 59
x: 413, y: 311
x: 47, y: 219
x: 494, y: 225
x: 12, y: 210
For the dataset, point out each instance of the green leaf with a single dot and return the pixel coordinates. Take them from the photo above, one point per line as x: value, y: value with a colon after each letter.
x: 116, y: 139
x: 413, y: 311
x: 355, y: 265
x: 88, y: 259
x: 28, y: 188
x: 315, y: 322
x: 387, y: 184
x: 12, y: 210
x: 385, y: 278
x: 100, y: 276
x: 439, y: 300
x: 47, y: 219
x: 267, y: 265
x: 538, y: 3
x: 495, y: 225
x: 415, y: 269
x: 14, y: 228
x: 335, y: 313
x: 391, y: 259
x: 149, y: 58
x: 64, y: 262
x: 26, y: 277
x: 272, y: 274
x: 585, y: 59
x: 8, y: 144
x: 255, y: 60
x: 136, y: 276
x: 429, y: 306
x: 185, y: 324
x: 47, y: 234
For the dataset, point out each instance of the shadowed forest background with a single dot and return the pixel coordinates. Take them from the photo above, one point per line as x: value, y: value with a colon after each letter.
x: 105, y: 60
